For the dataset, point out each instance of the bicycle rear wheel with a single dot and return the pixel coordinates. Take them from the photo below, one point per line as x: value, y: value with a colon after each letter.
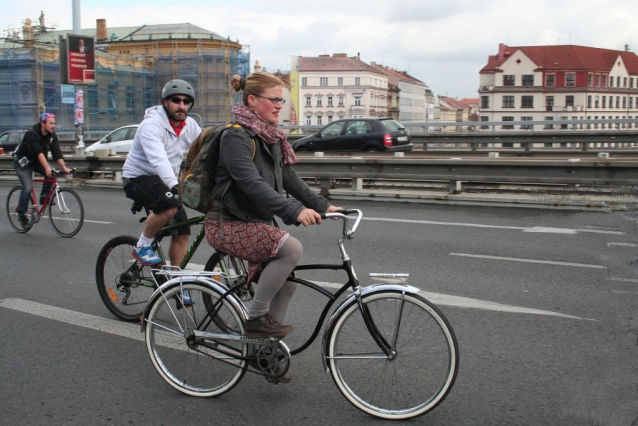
x: 124, y: 284
x: 415, y: 377
x: 193, y: 365
x: 67, y: 216
x: 12, y: 204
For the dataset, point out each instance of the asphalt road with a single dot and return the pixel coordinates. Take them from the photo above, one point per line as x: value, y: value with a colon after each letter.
x: 543, y: 303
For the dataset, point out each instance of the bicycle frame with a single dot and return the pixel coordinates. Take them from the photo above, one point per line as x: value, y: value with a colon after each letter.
x: 352, y: 283
x: 47, y: 200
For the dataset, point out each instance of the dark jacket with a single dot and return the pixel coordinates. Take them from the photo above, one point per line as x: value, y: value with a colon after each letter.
x: 35, y: 142
x: 257, y: 192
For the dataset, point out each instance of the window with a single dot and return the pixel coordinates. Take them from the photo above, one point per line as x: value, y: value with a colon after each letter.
x: 341, y: 101
x: 508, y: 101
x: 304, y: 81
x: 308, y: 101
x: 485, y: 101
x: 527, y: 102
x: 509, y: 80
x: 528, y: 80
x: 618, y: 81
x: 631, y: 102
x: 590, y: 78
x: 597, y: 101
x: 570, y: 80
x: 308, y: 121
x: 564, y: 125
x: 550, y: 80
x: 624, y: 102
x: 611, y: 81
x: 624, y: 82
x: 323, y: 81
x: 589, y: 101
x: 507, y: 126
x: 319, y: 120
x: 597, y: 80
x: 617, y: 101
x: 357, y: 100
x: 526, y: 126
x: 549, y: 103
x: 329, y: 100
x: 329, y: 119
x: 319, y: 101
x: 485, y: 119
x: 357, y: 81
x: 604, y: 104
x: 339, y: 81
x: 604, y: 80
x: 549, y: 126
x: 631, y: 82
x: 569, y: 101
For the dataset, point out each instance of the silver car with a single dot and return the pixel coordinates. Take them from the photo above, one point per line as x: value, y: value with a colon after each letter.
x: 119, y: 140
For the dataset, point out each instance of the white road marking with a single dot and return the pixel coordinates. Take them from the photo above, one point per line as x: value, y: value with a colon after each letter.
x: 515, y: 259
x: 624, y: 280
x: 101, y: 222
x: 106, y: 325
x: 622, y: 245
x: 466, y: 302
x: 545, y: 229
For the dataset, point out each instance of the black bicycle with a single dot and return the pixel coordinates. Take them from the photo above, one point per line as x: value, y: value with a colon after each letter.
x: 391, y: 352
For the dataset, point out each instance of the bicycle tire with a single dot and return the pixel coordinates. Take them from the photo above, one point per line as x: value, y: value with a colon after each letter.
x: 67, y: 216
x: 424, y: 367
x: 185, y: 362
x: 124, y: 284
x: 12, y: 203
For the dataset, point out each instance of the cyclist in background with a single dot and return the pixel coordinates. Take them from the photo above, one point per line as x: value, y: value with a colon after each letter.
x: 149, y: 174
x: 31, y: 156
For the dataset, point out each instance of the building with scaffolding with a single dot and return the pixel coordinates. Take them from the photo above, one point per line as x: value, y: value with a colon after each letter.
x: 132, y: 66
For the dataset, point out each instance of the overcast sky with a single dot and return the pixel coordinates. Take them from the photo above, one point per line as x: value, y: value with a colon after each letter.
x: 442, y: 43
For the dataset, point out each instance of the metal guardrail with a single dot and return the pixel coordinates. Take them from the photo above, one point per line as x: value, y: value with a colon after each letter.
x: 455, y: 171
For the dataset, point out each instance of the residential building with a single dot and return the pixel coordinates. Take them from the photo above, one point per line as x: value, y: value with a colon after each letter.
x: 411, y: 95
x: 453, y: 110
x: 563, y: 82
x: 328, y: 88
x: 132, y: 65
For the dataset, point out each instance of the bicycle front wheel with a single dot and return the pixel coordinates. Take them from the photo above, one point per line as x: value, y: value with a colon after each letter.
x: 124, y: 284
x: 67, y: 216
x: 418, y: 373
x: 12, y: 204
x: 195, y: 365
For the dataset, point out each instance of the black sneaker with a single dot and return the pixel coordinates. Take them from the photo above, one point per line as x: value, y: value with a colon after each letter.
x: 265, y: 326
x: 25, y: 222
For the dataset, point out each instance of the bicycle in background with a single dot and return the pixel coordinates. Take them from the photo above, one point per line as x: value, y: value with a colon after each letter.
x: 65, y: 208
x: 125, y: 285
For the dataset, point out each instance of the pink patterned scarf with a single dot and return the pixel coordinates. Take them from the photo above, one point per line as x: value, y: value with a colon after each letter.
x: 266, y: 131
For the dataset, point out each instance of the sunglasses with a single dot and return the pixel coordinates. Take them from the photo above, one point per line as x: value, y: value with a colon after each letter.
x: 177, y: 100
x: 274, y: 101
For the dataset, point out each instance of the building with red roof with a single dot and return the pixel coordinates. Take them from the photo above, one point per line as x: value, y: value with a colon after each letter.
x: 563, y: 82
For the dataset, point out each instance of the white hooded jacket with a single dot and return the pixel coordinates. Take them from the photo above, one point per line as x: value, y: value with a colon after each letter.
x: 157, y: 150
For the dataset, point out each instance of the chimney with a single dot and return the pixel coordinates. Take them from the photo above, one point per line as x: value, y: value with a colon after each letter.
x: 501, y: 51
x: 626, y: 47
x: 101, y: 29
x: 339, y: 55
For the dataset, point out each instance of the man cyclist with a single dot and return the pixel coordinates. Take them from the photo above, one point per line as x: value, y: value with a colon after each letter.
x: 31, y: 156
x: 149, y: 174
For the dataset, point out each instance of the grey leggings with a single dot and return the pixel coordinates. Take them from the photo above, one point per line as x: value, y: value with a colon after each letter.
x: 273, y: 292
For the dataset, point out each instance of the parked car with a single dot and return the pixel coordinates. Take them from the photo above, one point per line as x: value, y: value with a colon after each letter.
x: 358, y: 134
x: 119, y: 140
x: 10, y: 140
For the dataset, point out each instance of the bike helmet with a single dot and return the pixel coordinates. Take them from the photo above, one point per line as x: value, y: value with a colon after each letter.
x: 178, y: 87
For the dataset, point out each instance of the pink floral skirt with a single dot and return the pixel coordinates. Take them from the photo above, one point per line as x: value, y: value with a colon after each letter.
x: 254, y: 242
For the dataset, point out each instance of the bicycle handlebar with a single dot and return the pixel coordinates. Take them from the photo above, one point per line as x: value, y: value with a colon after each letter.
x: 56, y: 172
x: 343, y: 214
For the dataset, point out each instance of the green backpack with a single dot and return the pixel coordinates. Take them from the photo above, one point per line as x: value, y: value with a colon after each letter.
x: 195, y: 184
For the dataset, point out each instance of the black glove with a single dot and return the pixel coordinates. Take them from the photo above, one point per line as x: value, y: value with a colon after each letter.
x: 174, y: 190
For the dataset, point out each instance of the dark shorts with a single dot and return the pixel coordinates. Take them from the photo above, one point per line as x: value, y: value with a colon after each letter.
x: 152, y: 193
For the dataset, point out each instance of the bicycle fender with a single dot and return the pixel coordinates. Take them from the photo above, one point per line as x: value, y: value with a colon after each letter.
x: 215, y: 285
x: 364, y: 292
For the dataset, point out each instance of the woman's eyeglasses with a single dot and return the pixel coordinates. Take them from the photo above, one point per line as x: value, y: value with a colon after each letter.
x: 274, y: 101
x: 177, y: 100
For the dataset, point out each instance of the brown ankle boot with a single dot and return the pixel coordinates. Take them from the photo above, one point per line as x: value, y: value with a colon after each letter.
x: 265, y: 326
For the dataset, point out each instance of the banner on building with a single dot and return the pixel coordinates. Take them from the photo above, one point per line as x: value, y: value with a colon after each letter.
x: 80, y: 61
